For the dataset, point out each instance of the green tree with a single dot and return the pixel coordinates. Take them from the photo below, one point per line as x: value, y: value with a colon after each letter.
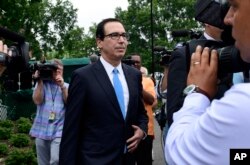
x: 167, y: 15
x: 45, y: 24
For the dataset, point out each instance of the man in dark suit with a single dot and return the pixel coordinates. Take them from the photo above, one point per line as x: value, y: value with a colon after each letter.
x: 98, y: 128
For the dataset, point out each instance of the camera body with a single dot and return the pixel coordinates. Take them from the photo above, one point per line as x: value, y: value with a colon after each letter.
x: 164, y: 55
x: 229, y: 56
x: 45, y: 70
x: 213, y: 12
x: 16, y: 75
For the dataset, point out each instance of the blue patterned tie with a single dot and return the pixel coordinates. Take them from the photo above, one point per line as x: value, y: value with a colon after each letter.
x: 119, y: 91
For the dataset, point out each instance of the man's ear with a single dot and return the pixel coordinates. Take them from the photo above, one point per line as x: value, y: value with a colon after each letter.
x: 99, y: 43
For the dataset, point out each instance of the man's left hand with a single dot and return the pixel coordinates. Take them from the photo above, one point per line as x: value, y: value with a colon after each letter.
x: 135, y: 140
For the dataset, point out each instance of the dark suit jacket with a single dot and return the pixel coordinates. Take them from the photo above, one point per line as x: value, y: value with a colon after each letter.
x: 177, y: 77
x: 95, y: 131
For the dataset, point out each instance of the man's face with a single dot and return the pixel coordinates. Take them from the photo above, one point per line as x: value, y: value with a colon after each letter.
x: 113, y: 48
x: 238, y: 17
x: 137, y: 60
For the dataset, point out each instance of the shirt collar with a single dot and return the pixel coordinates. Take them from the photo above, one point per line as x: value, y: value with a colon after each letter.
x: 208, y: 37
x: 108, y: 67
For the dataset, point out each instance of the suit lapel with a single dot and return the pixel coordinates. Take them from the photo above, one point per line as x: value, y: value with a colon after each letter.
x: 130, y: 83
x: 104, y: 81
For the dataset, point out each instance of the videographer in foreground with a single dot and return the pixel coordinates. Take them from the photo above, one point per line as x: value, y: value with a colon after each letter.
x: 3, y: 53
x: 50, y: 97
x: 178, y: 72
x: 203, y: 132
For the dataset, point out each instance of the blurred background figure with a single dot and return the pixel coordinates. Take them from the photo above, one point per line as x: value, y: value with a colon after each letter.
x: 3, y: 54
x: 144, y: 71
x: 145, y: 148
x: 93, y: 58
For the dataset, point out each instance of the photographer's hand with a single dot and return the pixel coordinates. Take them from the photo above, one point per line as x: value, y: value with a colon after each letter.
x: 203, y: 70
x: 38, y: 94
x: 36, y: 75
x: 3, y: 53
x: 59, y: 80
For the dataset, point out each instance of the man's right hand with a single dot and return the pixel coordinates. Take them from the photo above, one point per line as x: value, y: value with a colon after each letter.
x: 203, y: 70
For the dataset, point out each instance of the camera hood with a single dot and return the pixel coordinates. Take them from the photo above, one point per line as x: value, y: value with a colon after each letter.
x: 211, y: 12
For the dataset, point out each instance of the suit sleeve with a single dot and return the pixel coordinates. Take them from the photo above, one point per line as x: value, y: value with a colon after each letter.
x: 142, y: 115
x: 177, y: 77
x: 70, y: 136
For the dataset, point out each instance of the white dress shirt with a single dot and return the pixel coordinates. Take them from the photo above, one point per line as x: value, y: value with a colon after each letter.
x: 203, y: 133
x: 109, y: 69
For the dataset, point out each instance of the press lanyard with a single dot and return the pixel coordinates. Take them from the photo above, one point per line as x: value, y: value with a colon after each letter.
x: 53, y: 94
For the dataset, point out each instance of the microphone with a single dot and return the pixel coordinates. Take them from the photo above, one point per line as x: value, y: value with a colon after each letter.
x: 181, y: 33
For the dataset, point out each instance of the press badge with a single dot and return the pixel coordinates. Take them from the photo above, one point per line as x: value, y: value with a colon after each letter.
x: 52, y: 116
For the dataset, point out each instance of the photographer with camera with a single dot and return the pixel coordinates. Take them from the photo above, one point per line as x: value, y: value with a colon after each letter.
x: 178, y: 72
x: 216, y: 35
x: 3, y: 54
x: 50, y: 96
x: 204, y: 131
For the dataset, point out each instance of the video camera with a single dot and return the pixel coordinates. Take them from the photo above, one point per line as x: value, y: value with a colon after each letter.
x: 45, y: 70
x: 16, y: 75
x: 164, y: 55
x: 186, y: 33
x: 19, y: 48
x: 128, y: 61
x: 213, y: 12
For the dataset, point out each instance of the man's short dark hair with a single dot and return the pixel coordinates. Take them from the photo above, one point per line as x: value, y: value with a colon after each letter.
x: 100, y: 27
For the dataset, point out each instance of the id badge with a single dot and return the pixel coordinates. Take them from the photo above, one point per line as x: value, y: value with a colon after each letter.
x: 52, y: 116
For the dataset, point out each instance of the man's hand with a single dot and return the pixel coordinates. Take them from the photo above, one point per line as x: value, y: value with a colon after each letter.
x: 135, y: 140
x: 3, y: 52
x: 59, y: 78
x: 203, y: 70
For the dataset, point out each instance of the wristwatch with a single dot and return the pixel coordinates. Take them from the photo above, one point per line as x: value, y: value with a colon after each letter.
x: 189, y: 89
x: 194, y: 89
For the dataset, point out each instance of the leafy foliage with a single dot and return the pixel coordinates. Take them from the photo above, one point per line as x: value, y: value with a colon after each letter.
x: 6, y: 123
x: 20, y: 140
x: 3, y: 149
x: 5, y: 133
x: 43, y: 23
x: 148, y: 24
x: 49, y: 26
x: 23, y: 125
x: 21, y: 157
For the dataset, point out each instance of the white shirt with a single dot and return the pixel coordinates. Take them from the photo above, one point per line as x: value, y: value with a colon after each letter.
x: 109, y: 69
x: 203, y: 133
x: 208, y: 37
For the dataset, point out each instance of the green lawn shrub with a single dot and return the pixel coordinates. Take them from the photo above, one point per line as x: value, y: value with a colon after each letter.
x: 20, y: 140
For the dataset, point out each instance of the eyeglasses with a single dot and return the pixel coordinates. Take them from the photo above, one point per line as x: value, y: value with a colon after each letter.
x: 116, y: 36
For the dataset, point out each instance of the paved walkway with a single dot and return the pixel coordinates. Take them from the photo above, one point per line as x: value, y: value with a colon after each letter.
x: 157, y: 147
